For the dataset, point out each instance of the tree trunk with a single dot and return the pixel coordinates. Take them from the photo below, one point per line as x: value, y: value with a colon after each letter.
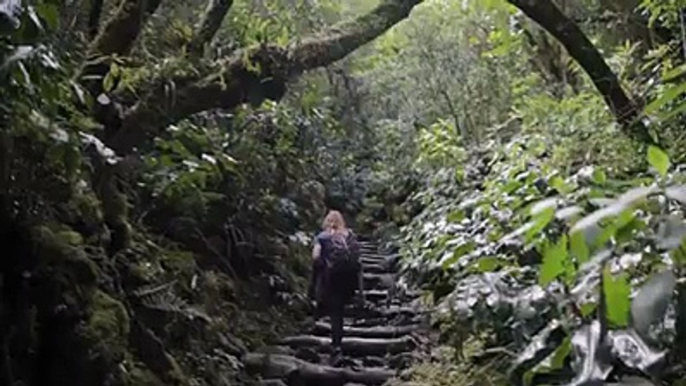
x: 121, y: 32
x: 209, y: 25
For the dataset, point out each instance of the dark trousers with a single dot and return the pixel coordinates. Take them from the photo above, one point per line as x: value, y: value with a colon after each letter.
x: 336, y: 309
x: 329, y: 302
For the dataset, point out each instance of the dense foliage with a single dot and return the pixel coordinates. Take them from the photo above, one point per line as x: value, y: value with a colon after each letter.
x: 552, y: 238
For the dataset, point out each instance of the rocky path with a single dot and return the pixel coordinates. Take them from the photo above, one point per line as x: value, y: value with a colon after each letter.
x: 380, y: 339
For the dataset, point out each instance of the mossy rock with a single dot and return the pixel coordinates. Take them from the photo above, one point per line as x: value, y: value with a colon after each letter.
x: 71, y: 237
x: 51, y: 246
x: 108, y: 324
x: 139, y: 375
x: 58, y: 246
x: 89, y: 208
x: 179, y: 262
x: 142, y: 273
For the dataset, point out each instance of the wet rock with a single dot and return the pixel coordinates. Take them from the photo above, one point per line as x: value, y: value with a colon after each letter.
x: 355, y: 346
x: 373, y: 362
x: 300, y: 372
x: 402, y: 360
x: 232, y: 345
x: 322, y: 328
x: 307, y: 354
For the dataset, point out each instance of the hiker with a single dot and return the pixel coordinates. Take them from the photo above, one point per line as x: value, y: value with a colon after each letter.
x: 337, y: 273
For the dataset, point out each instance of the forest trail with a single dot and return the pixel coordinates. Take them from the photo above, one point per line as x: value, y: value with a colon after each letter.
x: 380, y: 340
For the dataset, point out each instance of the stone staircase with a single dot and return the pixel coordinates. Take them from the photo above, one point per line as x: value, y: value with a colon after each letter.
x: 381, y: 338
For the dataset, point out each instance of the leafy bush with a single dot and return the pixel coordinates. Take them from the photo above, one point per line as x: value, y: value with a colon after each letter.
x: 547, y: 262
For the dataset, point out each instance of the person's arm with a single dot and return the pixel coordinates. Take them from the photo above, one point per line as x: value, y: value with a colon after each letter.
x: 316, y: 251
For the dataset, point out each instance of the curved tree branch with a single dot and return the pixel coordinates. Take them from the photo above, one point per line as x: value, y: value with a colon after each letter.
x: 626, y: 112
x: 341, y: 39
x: 209, y: 25
x: 252, y: 75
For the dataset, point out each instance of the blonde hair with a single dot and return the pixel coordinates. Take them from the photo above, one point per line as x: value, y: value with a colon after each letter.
x: 334, y: 222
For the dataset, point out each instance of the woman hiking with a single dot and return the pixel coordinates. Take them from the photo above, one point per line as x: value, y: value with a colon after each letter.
x: 337, y: 273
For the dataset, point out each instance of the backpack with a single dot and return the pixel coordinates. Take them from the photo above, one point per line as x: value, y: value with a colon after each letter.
x: 343, y: 260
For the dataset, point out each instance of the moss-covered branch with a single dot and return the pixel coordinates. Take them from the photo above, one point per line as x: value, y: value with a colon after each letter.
x: 252, y: 75
x: 340, y: 40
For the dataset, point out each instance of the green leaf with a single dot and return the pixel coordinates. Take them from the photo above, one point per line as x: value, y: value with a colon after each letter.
x: 557, y: 360
x: 559, y: 184
x: 671, y: 113
x: 588, y: 309
x: 611, y: 231
x: 110, y: 77
x: 599, y: 176
x: 539, y: 222
x: 511, y: 186
x: 674, y: 73
x: 618, y: 304
x: 554, y: 260
x: 460, y: 251
x: 658, y: 159
x: 579, y: 248
x: 668, y: 96
x: 456, y: 216
x: 487, y: 264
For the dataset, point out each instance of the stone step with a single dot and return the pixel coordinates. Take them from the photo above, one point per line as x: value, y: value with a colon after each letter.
x: 374, y: 267
x: 377, y: 312
x: 378, y: 280
x: 398, y: 320
x: 385, y: 332
x: 379, y: 337
x: 383, y: 294
x: 373, y: 262
x: 373, y: 255
x: 375, y: 295
x: 354, y: 346
x: 300, y: 372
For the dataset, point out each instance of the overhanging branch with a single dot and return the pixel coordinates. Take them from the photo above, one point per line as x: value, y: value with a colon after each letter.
x: 253, y: 75
x: 626, y: 112
x: 340, y: 40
